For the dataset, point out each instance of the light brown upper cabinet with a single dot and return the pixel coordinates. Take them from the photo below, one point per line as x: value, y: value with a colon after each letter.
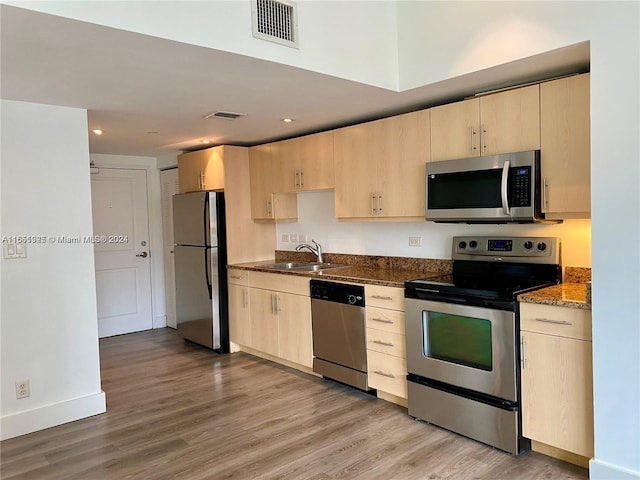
x: 201, y: 170
x: 304, y: 163
x: 502, y: 122
x: 267, y: 206
x: 566, y: 147
x: 379, y: 167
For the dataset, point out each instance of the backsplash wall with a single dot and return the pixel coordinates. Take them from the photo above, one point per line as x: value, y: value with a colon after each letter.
x: 316, y: 220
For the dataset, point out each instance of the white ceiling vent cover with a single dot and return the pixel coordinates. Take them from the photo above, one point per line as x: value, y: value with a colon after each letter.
x: 275, y: 21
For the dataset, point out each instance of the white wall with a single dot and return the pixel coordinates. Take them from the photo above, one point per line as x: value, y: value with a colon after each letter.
x: 169, y: 160
x: 156, y: 243
x: 49, y: 330
x: 316, y: 220
x: 440, y: 40
x: 355, y: 40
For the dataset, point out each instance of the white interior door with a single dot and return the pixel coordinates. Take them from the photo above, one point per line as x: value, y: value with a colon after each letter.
x: 121, y: 234
x: 169, y: 186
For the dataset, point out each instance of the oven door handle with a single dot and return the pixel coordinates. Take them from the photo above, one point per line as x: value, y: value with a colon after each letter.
x: 504, y: 191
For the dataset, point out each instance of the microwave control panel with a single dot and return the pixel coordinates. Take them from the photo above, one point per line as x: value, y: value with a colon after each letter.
x: 520, y: 186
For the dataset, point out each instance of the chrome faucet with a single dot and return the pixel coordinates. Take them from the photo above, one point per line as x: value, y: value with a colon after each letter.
x: 317, y: 251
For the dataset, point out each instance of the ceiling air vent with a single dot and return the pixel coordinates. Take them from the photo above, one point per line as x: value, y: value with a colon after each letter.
x: 224, y: 115
x: 275, y: 21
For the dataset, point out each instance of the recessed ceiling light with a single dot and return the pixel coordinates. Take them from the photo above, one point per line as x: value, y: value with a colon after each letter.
x: 97, y: 131
x: 205, y: 141
x: 288, y: 120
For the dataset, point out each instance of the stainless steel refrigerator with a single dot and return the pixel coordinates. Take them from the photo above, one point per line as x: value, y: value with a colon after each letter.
x: 200, y: 258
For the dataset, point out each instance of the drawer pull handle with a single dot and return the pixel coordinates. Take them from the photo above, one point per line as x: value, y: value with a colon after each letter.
x: 381, y: 320
x: 556, y: 322
x: 235, y: 278
x: 380, y: 297
x: 388, y: 375
x: 386, y: 344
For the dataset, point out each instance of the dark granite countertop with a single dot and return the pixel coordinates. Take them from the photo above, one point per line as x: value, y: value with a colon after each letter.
x: 572, y: 295
x: 389, y: 277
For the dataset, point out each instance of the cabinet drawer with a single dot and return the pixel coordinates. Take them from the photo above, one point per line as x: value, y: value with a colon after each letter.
x: 387, y: 373
x: 387, y: 320
x: 238, y: 277
x: 386, y: 342
x: 385, y: 297
x: 552, y: 320
x: 280, y: 282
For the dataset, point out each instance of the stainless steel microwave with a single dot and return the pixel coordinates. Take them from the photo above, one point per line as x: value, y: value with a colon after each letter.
x: 497, y: 189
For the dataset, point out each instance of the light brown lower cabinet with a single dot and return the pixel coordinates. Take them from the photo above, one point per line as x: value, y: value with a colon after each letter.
x: 239, y: 307
x: 557, y: 377
x: 386, y: 345
x: 280, y: 320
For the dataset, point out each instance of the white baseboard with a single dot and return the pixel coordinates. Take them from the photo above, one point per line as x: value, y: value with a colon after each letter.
x: 599, y: 470
x: 52, y: 415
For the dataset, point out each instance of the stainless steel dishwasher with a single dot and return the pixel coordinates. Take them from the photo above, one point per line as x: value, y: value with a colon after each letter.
x: 339, y: 342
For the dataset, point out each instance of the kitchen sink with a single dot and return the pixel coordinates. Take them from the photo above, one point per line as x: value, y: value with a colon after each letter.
x: 319, y: 266
x: 304, y: 266
x: 287, y: 265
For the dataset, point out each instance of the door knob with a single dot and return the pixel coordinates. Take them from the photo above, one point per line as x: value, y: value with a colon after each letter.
x: 143, y: 255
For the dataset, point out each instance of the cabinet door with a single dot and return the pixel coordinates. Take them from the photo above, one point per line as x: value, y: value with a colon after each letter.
x: 455, y: 130
x: 213, y: 168
x: 285, y: 166
x: 294, y: 328
x: 264, y: 321
x: 403, y: 154
x: 261, y: 182
x: 510, y: 121
x: 356, y: 150
x: 190, y: 166
x: 565, y: 139
x: 557, y: 398
x: 314, y: 155
x: 239, y: 315
x: 387, y: 373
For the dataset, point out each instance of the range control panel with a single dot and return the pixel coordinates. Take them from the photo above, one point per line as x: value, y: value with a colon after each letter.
x: 508, y: 249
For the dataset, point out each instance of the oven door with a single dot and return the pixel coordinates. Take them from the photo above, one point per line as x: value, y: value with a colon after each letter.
x: 464, y: 346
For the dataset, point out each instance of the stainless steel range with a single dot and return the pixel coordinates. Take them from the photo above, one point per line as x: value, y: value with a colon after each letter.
x: 462, y: 331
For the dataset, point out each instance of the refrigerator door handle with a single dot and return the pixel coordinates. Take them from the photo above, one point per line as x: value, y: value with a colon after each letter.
x: 205, y: 220
x: 207, y: 273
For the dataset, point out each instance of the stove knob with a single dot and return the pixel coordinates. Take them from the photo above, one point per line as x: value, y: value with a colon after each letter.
x: 528, y: 244
x: 473, y: 244
x: 542, y: 246
x: 462, y: 245
x: 351, y: 299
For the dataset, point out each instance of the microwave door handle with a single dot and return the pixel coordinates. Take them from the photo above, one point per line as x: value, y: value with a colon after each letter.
x: 503, y: 187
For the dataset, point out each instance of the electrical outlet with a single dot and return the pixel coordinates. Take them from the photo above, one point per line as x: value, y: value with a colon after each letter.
x: 415, y: 241
x: 293, y: 238
x: 285, y: 237
x: 22, y: 389
x: 302, y: 238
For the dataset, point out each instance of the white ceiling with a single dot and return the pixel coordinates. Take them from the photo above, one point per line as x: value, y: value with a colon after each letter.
x: 132, y: 84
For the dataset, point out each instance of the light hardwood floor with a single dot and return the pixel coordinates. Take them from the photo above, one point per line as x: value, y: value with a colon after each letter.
x: 176, y: 410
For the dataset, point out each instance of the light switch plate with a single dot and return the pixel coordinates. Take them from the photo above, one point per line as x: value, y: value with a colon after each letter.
x: 293, y: 237
x: 14, y: 250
